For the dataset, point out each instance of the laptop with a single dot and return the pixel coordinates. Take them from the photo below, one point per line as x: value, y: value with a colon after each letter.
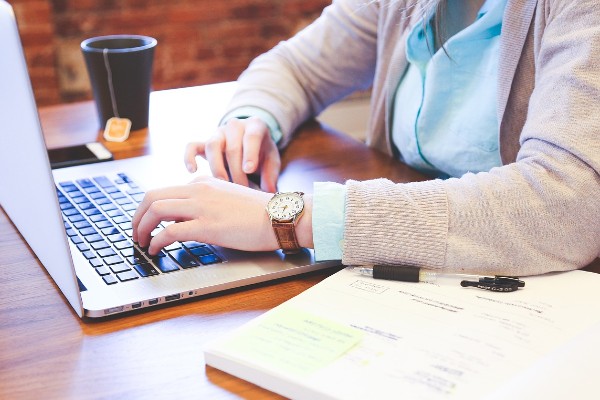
x: 77, y: 220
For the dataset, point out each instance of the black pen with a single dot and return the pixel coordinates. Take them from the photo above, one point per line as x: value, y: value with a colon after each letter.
x: 416, y: 274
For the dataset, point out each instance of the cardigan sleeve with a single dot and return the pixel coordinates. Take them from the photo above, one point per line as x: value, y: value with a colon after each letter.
x: 536, y: 215
x: 328, y: 60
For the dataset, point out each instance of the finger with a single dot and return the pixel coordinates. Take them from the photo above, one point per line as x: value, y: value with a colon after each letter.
x: 191, y: 151
x: 234, y: 133
x: 164, y: 210
x: 213, y: 151
x: 271, y: 167
x: 176, y: 192
x: 177, y: 232
x: 256, y: 130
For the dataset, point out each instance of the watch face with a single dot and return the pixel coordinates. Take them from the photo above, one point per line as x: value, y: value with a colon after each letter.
x: 285, y: 206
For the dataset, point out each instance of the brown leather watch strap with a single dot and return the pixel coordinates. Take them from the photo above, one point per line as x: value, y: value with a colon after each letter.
x: 286, y: 237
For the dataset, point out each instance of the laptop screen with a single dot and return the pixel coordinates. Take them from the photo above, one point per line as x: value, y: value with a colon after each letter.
x: 27, y: 191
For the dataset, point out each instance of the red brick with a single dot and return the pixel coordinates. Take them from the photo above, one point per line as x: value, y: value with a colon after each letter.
x: 200, y: 41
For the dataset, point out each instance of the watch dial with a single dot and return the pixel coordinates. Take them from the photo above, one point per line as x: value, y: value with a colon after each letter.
x: 285, y: 206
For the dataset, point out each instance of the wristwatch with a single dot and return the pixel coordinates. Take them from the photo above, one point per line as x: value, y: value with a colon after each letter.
x: 284, y: 210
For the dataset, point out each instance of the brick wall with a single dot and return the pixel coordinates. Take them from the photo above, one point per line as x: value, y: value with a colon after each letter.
x: 199, y: 41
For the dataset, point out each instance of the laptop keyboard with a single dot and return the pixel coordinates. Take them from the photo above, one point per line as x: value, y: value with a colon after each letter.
x: 97, y: 214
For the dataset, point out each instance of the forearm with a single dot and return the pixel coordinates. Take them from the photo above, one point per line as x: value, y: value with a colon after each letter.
x: 534, y: 216
x: 323, y: 63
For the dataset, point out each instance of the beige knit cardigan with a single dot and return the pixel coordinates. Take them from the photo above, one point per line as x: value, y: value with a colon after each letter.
x: 537, y: 213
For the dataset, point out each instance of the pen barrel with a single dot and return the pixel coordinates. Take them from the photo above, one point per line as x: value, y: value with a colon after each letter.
x: 389, y: 272
x: 441, y: 278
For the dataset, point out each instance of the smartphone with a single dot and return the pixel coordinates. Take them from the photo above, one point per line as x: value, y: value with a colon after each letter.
x: 78, y: 155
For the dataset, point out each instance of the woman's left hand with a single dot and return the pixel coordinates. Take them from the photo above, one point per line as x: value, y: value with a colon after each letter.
x: 207, y: 210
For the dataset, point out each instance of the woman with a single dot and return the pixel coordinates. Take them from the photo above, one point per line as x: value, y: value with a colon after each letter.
x: 499, y: 98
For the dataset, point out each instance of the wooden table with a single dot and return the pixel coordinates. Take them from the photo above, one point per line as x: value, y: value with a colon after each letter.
x: 47, y: 352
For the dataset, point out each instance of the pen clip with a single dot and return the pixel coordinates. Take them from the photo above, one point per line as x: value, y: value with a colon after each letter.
x: 496, y: 284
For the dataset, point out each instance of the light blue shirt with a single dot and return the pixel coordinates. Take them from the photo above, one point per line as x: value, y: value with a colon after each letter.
x: 444, y: 112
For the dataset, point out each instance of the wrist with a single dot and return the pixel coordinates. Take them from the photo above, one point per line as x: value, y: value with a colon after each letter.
x: 304, y: 231
x: 290, y: 215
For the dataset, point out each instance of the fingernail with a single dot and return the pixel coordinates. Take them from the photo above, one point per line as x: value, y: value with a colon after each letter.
x: 248, y: 165
x: 190, y: 167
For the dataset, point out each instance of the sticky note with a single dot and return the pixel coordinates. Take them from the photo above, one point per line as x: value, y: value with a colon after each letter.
x: 293, y: 341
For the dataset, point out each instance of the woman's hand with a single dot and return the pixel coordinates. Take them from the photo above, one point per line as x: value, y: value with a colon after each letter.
x: 239, y: 148
x: 206, y: 210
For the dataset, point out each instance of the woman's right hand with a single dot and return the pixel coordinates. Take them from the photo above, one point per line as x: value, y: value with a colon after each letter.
x: 239, y: 148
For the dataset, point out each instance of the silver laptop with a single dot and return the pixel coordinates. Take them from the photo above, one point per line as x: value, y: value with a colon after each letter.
x: 77, y: 220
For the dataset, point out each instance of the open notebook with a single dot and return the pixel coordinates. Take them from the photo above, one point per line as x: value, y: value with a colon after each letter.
x: 354, y: 337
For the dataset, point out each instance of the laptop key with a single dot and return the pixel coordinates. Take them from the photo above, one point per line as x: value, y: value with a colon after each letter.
x: 84, y: 183
x: 138, y: 197
x: 116, y: 238
x: 129, y: 207
x: 100, y: 245
x: 210, y: 259
x: 173, y: 246
x: 71, y: 232
x: 86, y: 205
x: 117, y: 194
x: 123, y: 244
x: 70, y: 211
x: 127, y: 276
x: 184, y: 259
x: 66, y: 206
x: 68, y: 186
x: 102, y: 270
x: 83, y: 247
x: 121, y: 219
x: 98, y: 218
x: 108, y: 207
x: 103, y: 224
x: 93, y: 238
x: 133, y: 256
x: 133, y: 191
x: 88, y: 254
x: 110, y: 231
x: 103, y: 200
x: 201, y: 251
x: 122, y: 267
x: 97, y: 195
x: 109, y: 279
x: 192, y: 244
x: 165, y: 264
x: 76, y: 218
x: 125, y: 225
x: 113, y: 260
x: 124, y: 177
x: 123, y: 200
x: 88, y: 231
x: 82, y: 224
x: 92, y: 211
x: 145, y: 270
x: 80, y: 199
x: 103, y: 181
x: 106, y: 252
x: 115, y: 212
x: 159, y: 254
x: 96, y: 262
